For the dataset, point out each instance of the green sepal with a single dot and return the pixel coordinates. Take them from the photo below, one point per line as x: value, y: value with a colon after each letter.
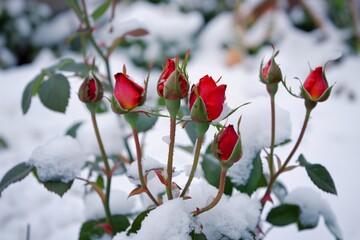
x: 116, y: 107
x: 198, y: 111
x: 201, y: 128
x: 132, y: 118
x: 173, y: 107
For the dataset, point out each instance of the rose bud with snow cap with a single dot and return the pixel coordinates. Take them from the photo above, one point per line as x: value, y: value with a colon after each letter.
x: 91, y: 90
x: 127, y: 94
x: 172, y: 84
x: 206, y: 100
x: 315, y: 88
x: 227, y: 147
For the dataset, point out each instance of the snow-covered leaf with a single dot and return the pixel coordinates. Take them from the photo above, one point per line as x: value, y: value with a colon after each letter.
x: 58, y: 187
x: 256, y: 178
x: 319, y: 175
x: 55, y: 93
x: 73, y: 129
x: 15, y: 174
x: 197, y: 236
x: 283, y: 215
x: 279, y: 190
x: 136, y: 225
x: 212, y: 169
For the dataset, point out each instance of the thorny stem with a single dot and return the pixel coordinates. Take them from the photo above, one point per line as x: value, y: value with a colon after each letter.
x: 272, y: 144
x: 284, y: 165
x: 194, y: 166
x: 139, y: 164
x: 107, y: 170
x: 218, y: 196
x: 95, y: 45
x: 170, y: 158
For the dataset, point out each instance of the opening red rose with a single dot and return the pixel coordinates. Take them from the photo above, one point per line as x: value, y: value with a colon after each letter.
x: 213, y: 96
x: 315, y: 84
x: 127, y: 92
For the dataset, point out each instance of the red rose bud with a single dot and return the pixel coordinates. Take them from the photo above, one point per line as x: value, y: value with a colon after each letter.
x: 227, y: 146
x: 127, y: 93
x: 271, y: 74
x: 91, y: 91
x: 316, y: 87
x: 206, y: 100
x: 172, y: 85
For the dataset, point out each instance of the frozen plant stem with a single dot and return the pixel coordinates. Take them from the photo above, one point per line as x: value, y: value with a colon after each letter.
x: 284, y: 165
x: 216, y: 200
x: 194, y: 166
x: 272, y: 143
x: 170, y: 158
x: 94, y: 44
x: 107, y: 170
x: 139, y: 164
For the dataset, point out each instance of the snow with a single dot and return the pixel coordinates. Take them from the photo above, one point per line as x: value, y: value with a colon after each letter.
x: 331, y: 138
x: 59, y: 159
x: 172, y: 223
x: 119, y: 204
x: 312, y: 206
x: 255, y: 134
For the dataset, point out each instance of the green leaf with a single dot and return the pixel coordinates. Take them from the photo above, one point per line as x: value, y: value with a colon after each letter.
x: 286, y: 141
x: 73, y: 129
x: 97, y: 107
x: 136, y: 225
x: 100, y: 182
x: 55, y: 93
x: 145, y: 122
x: 318, y: 175
x: 30, y: 90
x: 90, y: 229
x: 58, y: 187
x: 3, y: 143
x: 197, y: 236
x: 283, y: 215
x: 15, y: 174
x: 212, y: 169
x: 100, y: 10
x: 190, y: 126
x: 256, y: 178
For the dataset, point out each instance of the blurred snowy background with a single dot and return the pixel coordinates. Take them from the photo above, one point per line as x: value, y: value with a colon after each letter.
x: 227, y: 38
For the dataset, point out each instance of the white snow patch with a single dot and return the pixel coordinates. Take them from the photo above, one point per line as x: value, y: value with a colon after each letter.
x: 169, y: 221
x: 119, y: 204
x: 312, y: 206
x: 255, y: 130
x: 59, y: 159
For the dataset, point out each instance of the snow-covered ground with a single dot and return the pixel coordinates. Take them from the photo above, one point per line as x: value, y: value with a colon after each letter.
x: 331, y: 139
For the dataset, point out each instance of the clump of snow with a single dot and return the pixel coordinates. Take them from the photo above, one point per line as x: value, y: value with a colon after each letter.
x: 119, y: 204
x: 148, y: 163
x: 169, y: 221
x: 255, y: 129
x: 312, y: 206
x: 232, y: 217
x: 59, y: 159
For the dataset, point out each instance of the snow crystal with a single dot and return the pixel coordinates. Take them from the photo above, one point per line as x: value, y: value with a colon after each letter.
x: 61, y: 158
x: 169, y: 221
x: 255, y: 129
x: 312, y: 205
x: 232, y: 217
x: 119, y: 204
